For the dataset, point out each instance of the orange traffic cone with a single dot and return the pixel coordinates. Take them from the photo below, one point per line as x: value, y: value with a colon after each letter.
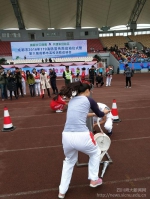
x: 114, y: 112
x: 7, y: 126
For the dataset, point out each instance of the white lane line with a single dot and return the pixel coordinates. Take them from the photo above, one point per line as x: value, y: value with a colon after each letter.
x: 65, y: 112
x: 146, y: 118
x: 34, y: 148
x: 63, y: 124
x: 72, y: 187
x: 46, y: 147
x: 21, y: 116
x: 38, y: 127
x: 126, y: 139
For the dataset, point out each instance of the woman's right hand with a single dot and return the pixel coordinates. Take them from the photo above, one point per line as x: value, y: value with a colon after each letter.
x: 106, y: 111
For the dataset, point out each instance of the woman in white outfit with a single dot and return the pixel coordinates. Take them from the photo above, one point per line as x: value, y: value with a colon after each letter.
x: 109, y: 73
x: 76, y: 136
x: 44, y: 78
x: 23, y: 81
x: 37, y: 82
x: 107, y: 120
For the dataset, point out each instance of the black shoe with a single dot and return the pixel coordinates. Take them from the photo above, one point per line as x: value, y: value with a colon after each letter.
x: 109, y: 134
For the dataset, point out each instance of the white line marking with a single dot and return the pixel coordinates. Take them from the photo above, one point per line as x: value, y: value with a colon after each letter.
x: 72, y: 187
x: 35, y: 148
x: 46, y: 147
x: 65, y: 112
x: 131, y: 139
x: 21, y: 116
x: 38, y: 127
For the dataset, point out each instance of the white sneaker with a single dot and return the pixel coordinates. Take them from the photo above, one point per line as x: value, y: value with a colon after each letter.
x: 59, y: 111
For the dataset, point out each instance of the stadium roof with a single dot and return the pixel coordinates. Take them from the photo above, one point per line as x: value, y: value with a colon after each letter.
x: 44, y: 14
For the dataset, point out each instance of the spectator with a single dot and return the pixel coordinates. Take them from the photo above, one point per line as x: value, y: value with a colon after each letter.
x: 45, y: 83
x: 37, y: 82
x: 31, y: 83
x: 53, y: 76
x: 128, y: 74
x: 50, y: 60
x: 92, y: 74
x: 83, y: 75
x: 18, y: 77
x: 11, y: 85
x: 23, y: 81
x: 67, y: 75
x: 2, y: 83
x: 109, y: 73
x: 99, y: 80
x: 77, y: 72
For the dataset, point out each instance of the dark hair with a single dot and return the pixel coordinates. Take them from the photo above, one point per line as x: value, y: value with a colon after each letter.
x: 33, y: 69
x: 29, y: 75
x: 75, y: 86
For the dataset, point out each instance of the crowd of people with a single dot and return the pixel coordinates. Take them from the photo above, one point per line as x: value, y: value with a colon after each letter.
x: 129, y: 55
x: 14, y: 83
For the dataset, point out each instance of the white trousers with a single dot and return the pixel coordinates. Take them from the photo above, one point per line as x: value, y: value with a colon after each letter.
x: 72, y: 143
x: 108, y: 80
x: 37, y: 88
x: 24, y: 87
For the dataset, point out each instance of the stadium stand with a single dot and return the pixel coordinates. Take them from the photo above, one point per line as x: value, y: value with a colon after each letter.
x: 94, y: 45
x: 144, y: 39
x: 5, y: 49
x: 111, y: 41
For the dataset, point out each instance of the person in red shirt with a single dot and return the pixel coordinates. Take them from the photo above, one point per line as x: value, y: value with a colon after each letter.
x: 57, y: 103
x: 83, y: 75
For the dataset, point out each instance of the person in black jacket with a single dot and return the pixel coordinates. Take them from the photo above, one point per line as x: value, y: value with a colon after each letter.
x: 53, y: 76
x: 92, y: 74
x: 99, y: 80
x: 11, y: 85
x: 18, y: 77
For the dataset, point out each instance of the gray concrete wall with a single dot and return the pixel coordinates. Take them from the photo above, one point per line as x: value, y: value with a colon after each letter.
x: 43, y: 35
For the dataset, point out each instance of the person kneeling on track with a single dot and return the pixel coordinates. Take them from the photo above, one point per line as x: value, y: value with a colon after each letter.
x: 99, y: 80
x: 57, y: 103
x: 107, y: 120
